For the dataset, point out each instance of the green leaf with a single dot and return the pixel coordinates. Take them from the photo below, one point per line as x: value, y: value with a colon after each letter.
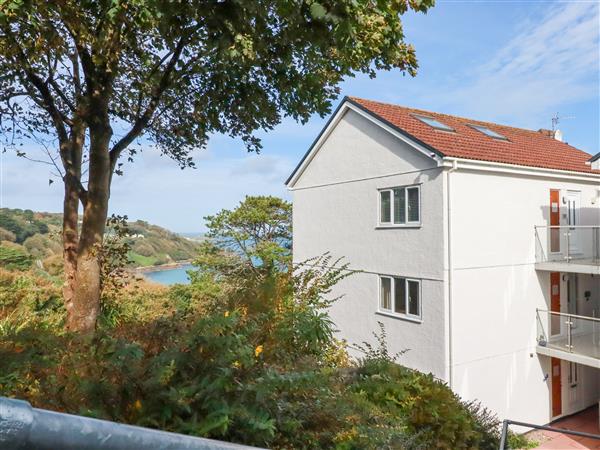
x: 317, y: 11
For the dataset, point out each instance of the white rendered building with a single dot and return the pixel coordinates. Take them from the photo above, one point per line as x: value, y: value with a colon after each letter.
x: 477, y: 246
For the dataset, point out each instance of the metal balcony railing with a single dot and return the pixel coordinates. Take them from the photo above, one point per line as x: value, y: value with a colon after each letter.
x: 506, y: 423
x: 25, y: 428
x: 564, y: 243
x: 569, y: 332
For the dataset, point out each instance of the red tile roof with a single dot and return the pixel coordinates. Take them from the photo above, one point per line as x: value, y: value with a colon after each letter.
x: 524, y: 147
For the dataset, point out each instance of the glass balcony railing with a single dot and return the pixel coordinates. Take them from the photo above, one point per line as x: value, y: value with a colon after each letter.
x: 569, y: 332
x: 570, y: 244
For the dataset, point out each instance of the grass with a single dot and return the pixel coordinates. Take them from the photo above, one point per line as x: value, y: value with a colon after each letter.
x: 141, y: 260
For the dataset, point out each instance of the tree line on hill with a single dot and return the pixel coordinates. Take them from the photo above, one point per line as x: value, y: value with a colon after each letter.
x: 28, y: 237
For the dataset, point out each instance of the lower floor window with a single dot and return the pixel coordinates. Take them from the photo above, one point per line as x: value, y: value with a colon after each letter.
x: 401, y: 296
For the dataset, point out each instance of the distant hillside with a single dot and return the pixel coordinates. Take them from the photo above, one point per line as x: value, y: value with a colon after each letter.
x: 27, y: 236
x: 153, y: 245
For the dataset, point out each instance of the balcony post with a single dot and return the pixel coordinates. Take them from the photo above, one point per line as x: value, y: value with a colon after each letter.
x: 569, y: 335
x: 596, y: 243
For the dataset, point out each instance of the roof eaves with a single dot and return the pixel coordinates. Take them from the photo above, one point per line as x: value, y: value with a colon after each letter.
x: 596, y: 157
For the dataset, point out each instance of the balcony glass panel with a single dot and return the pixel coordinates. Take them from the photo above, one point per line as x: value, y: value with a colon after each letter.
x: 578, y: 334
x: 573, y: 245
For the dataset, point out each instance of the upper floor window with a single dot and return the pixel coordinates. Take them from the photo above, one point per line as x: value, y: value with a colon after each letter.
x: 400, y: 296
x: 400, y: 206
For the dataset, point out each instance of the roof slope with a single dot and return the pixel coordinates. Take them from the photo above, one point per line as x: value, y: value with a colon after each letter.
x: 524, y: 147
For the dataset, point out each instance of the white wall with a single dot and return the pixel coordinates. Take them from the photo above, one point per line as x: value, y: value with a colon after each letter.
x: 335, y: 210
x: 496, y: 288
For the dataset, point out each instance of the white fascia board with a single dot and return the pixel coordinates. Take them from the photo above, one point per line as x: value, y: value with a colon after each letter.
x: 333, y: 123
x: 514, y: 169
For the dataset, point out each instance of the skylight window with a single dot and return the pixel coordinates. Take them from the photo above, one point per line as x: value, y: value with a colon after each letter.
x: 434, y: 123
x: 488, y: 132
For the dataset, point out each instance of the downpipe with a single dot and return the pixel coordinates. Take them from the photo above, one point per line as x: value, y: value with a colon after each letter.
x: 454, y: 168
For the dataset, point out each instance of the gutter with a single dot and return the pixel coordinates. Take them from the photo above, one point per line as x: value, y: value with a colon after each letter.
x: 490, y: 166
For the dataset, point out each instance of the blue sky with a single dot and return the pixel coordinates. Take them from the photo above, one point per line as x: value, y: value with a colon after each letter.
x: 513, y: 62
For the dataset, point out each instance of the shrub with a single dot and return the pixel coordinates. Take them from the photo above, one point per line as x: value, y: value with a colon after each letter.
x: 6, y: 235
x: 185, y: 359
x: 53, y: 264
x: 14, y: 257
x: 42, y: 245
x: 22, y: 223
x: 246, y: 353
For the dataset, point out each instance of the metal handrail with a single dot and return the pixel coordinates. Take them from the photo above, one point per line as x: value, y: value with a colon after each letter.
x: 25, y: 428
x: 506, y: 423
x: 566, y: 234
x: 595, y: 319
x: 567, y: 226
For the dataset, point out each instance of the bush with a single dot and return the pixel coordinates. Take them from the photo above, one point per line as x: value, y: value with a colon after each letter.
x: 53, y: 264
x: 246, y: 353
x: 21, y: 223
x: 42, y: 245
x: 187, y: 360
x: 6, y: 235
x: 14, y: 257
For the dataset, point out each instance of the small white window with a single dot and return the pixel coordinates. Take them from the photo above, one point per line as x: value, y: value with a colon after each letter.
x: 489, y: 132
x: 400, y: 296
x: 433, y: 123
x: 400, y: 206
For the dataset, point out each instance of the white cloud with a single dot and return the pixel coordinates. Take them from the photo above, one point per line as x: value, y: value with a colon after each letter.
x: 551, y: 62
x: 270, y: 167
x: 155, y: 189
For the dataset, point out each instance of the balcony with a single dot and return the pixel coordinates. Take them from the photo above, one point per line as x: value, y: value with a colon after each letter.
x: 569, y: 337
x: 565, y: 248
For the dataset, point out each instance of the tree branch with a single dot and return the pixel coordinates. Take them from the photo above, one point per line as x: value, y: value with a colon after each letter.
x: 76, y: 77
x: 11, y: 95
x: 48, y: 102
x: 62, y: 95
x: 143, y: 120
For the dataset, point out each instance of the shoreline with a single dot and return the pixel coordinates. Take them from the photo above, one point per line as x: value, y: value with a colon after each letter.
x: 167, y: 266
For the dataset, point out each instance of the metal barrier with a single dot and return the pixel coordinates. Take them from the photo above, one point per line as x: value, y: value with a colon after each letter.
x: 569, y: 332
x: 578, y: 244
x: 25, y: 428
x: 506, y: 423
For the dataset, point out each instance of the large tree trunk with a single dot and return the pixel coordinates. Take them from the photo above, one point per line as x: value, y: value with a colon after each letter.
x: 86, y: 298
x: 70, y: 237
x: 71, y: 155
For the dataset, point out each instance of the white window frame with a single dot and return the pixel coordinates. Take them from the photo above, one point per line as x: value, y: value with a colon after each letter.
x: 391, y: 312
x: 391, y: 224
